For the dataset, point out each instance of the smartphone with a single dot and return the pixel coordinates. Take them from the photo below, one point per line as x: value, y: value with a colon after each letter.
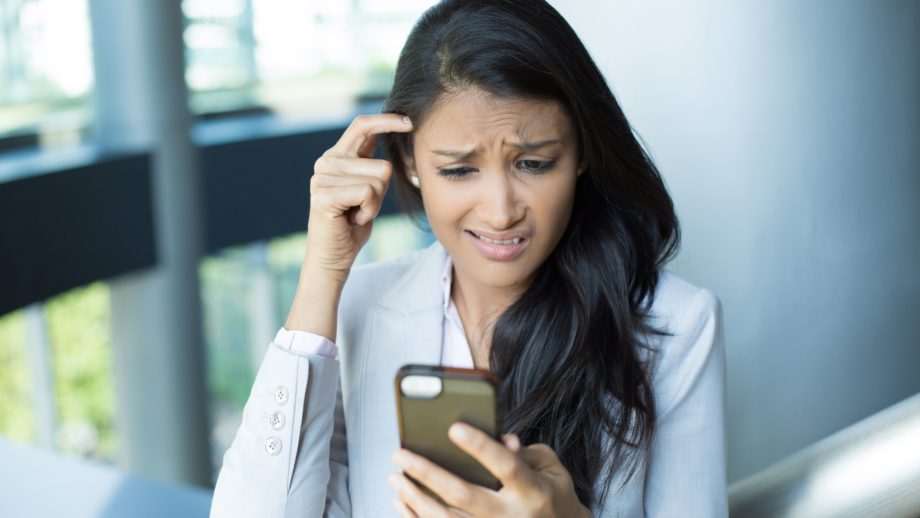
x: 429, y: 399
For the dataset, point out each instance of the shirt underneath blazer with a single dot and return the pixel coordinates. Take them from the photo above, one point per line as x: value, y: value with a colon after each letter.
x: 330, y: 456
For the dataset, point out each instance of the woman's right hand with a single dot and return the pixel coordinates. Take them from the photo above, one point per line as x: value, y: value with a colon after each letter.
x: 346, y: 193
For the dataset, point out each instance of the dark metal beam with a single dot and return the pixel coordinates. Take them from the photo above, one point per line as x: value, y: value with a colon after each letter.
x: 72, y: 227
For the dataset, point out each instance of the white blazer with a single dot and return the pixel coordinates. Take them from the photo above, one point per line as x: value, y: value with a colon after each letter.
x: 344, y: 421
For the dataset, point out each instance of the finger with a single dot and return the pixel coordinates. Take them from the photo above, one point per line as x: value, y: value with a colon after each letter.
x: 339, y: 201
x: 455, y: 491
x: 334, y: 182
x: 493, y: 455
x: 540, y: 457
x: 416, y: 499
x: 512, y: 442
x: 335, y: 165
x: 369, y: 146
x: 403, y: 509
x: 364, y: 126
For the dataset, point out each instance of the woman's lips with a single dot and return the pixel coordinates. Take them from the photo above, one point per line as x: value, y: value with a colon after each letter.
x: 499, y: 251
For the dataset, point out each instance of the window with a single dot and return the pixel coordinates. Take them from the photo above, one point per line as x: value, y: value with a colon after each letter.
x: 66, y: 338
x: 46, y: 72
x: 292, y: 55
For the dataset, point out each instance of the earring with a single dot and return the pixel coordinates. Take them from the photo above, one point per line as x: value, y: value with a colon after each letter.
x: 414, y: 180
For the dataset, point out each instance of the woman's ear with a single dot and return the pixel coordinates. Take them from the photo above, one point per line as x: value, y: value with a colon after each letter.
x: 582, y: 166
x: 409, y: 166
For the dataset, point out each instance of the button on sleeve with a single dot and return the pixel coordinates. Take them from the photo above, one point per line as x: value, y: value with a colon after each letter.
x: 273, y: 446
x: 276, y: 420
x: 281, y: 395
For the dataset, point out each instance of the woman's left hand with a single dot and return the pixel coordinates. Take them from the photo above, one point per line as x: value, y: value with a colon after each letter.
x: 534, y: 482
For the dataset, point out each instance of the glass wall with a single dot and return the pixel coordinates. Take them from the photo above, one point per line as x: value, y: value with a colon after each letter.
x: 56, y: 379
x: 281, y: 55
x: 292, y: 55
x: 284, y: 56
x: 17, y: 418
x: 46, y: 72
x: 68, y: 337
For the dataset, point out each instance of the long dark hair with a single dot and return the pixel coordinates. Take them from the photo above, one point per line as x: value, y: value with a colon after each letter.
x: 569, y: 351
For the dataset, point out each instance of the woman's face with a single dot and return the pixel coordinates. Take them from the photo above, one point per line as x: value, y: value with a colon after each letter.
x: 498, y: 182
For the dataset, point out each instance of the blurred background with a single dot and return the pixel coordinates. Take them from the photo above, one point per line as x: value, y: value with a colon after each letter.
x: 154, y: 168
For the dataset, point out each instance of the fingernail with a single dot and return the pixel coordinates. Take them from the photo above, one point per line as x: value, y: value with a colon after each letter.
x: 460, y: 432
x: 395, y: 481
x: 407, y: 120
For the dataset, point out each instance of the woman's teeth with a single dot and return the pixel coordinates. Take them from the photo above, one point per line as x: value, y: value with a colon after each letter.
x: 508, y: 242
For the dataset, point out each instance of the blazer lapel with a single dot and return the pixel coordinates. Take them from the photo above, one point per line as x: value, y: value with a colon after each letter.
x: 405, y: 328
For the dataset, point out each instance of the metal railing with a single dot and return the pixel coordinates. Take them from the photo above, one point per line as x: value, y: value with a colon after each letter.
x: 868, y: 470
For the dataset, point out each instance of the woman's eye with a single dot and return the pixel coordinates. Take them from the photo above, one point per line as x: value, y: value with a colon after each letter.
x: 456, y: 173
x: 535, y: 166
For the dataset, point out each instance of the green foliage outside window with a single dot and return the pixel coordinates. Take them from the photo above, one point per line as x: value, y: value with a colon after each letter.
x: 17, y: 420
x: 84, y: 388
x: 224, y: 291
x: 79, y: 324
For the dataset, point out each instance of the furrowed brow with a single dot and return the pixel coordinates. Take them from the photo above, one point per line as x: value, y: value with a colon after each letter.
x: 460, y: 156
x: 531, y: 146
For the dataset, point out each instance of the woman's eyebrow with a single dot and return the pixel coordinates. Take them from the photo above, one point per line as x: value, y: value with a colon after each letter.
x: 531, y: 146
x: 462, y: 156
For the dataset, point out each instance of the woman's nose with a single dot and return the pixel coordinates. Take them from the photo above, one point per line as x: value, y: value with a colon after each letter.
x: 498, y: 204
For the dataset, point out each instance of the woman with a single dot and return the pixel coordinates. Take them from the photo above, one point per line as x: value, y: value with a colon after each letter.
x: 552, y: 227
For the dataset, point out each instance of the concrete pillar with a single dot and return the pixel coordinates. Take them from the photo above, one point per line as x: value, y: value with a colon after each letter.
x: 141, y: 102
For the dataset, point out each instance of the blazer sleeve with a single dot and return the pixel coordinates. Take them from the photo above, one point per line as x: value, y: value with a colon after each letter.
x: 686, y: 470
x: 296, y: 464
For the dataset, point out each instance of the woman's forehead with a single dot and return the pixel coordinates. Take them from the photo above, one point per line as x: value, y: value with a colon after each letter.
x: 469, y: 117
